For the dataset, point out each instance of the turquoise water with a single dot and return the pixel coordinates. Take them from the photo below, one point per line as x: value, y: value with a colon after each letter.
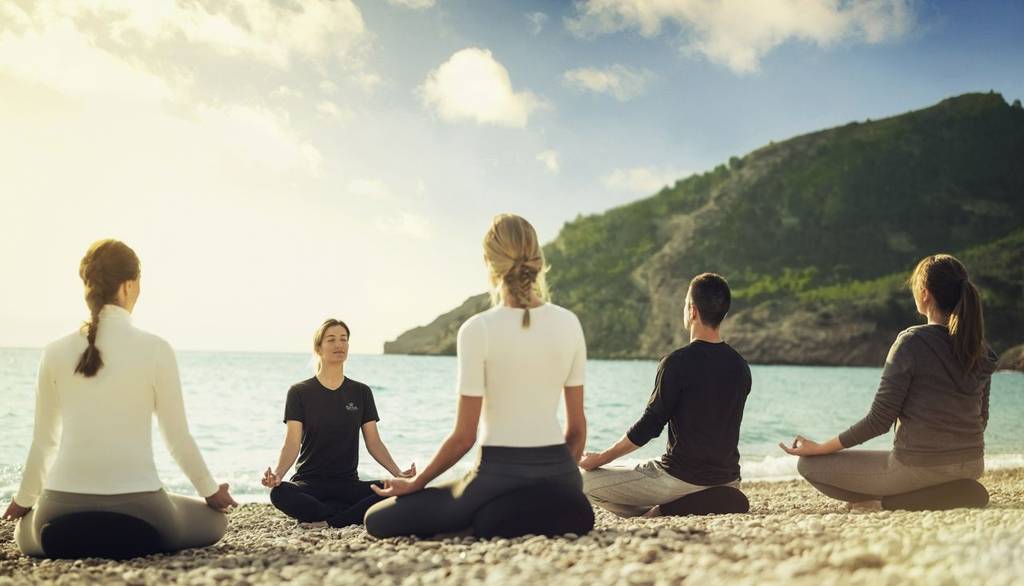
x: 235, y: 403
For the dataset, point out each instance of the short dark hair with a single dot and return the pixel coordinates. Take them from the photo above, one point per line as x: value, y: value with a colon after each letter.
x: 710, y: 293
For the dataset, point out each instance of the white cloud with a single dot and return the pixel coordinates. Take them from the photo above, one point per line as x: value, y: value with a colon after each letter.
x: 284, y: 91
x: 152, y: 113
x: 622, y: 82
x: 550, y: 160
x: 739, y: 33
x: 262, y: 135
x: 59, y: 56
x: 374, y: 188
x: 331, y: 110
x: 402, y: 220
x: 15, y: 16
x: 642, y: 180
x: 405, y: 224
x: 328, y: 87
x: 414, y: 4
x: 54, y: 53
x: 272, y: 32
x: 366, y: 80
x: 537, y: 21
x: 472, y: 85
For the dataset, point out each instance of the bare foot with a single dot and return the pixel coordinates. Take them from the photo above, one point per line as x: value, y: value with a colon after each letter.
x: 654, y: 512
x: 313, y: 525
x: 865, y: 506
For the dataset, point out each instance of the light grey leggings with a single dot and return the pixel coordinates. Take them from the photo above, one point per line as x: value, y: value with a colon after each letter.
x: 864, y: 475
x: 182, y: 522
x: 450, y: 507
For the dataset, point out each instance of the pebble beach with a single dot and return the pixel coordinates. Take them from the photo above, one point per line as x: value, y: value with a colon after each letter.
x: 792, y: 535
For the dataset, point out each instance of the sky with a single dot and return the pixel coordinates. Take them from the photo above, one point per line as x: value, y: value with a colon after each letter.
x: 276, y: 162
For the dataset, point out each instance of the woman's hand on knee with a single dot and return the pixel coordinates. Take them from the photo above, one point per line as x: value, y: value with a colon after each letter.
x: 802, y: 446
x: 270, y: 480
x: 221, y: 500
x: 15, y: 511
x: 591, y: 461
x: 397, y: 487
x: 410, y: 473
x: 805, y: 447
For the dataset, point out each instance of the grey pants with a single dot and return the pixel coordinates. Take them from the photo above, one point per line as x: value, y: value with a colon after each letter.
x: 865, y: 475
x: 182, y: 522
x: 450, y: 507
x: 631, y: 492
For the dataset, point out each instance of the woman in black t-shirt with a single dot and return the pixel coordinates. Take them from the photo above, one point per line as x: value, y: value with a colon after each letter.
x: 324, y: 415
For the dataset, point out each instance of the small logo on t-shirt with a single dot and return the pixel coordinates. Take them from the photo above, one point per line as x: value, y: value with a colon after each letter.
x: 351, y: 407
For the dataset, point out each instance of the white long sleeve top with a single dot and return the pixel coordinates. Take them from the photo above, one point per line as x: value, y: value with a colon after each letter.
x: 521, y: 372
x: 100, y: 428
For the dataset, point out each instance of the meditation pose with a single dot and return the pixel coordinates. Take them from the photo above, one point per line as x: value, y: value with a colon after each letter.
x: 699, y: 391
x: 97, y: 392
x: 935, y: 388
x: 514, y: 362
x: 324, y: 416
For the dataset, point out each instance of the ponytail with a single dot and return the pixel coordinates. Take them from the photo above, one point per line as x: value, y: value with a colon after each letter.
x: 955, y: 295
x: 520, y: 282
x: 90, y: 362
x: 516, y: 262
x: 967, y: 327
x: 105, y: 267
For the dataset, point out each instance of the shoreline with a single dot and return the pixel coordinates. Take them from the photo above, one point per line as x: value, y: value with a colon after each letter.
x: 1018, y: 353
x: 792, y: 535
x: 993, y: 463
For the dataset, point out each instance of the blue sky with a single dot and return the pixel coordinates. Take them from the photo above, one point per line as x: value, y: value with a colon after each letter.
x: 278, y: 162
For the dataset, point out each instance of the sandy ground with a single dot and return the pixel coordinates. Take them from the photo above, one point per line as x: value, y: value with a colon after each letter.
x: 792, y: 535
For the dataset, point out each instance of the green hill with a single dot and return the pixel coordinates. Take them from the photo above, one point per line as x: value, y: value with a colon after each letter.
x: 816, y: 235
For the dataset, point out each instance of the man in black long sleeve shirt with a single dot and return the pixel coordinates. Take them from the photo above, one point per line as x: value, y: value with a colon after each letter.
x: 699, y: 391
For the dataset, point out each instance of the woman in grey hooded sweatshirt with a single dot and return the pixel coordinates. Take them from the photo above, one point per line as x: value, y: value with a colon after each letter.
x: 934, y: 389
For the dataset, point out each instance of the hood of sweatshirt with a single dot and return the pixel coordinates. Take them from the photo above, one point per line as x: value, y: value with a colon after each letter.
x: 937, y: 339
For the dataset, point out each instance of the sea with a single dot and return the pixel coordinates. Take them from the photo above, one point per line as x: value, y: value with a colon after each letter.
x: 235, y: 405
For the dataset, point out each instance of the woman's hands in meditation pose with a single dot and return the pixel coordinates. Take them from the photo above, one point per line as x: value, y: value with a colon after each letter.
x: 399, y: 486
x: 15, y: 511
x: 221, y: 500
x: 591, y: 461
x: 270, y: 480
x: 804, y: 447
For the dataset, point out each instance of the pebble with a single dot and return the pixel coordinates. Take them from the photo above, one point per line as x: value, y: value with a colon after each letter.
x: 793, y: 535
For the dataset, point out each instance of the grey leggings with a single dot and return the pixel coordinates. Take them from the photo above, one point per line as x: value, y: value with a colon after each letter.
x: 451, y: 507
x: 181, y: 521
x: 864, y: 475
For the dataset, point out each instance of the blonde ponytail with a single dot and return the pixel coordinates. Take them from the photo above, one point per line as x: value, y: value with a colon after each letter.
x: 516, y: 262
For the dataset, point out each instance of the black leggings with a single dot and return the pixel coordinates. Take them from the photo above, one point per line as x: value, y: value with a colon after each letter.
x: 451, y: 507
x: 339, y: 502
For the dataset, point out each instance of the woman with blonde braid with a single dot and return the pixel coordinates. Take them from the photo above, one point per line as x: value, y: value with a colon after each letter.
x: 92, y: 443
x: 514, y: 362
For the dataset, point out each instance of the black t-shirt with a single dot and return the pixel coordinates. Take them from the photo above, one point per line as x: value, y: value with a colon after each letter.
x: 700, y: 391
x: 331, y: 421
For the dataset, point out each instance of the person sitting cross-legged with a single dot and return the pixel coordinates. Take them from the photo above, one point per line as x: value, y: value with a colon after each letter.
x: 700, y: 391
x: 324, y: 416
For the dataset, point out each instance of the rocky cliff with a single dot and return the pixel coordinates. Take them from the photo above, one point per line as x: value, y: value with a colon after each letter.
x: 816, y: 235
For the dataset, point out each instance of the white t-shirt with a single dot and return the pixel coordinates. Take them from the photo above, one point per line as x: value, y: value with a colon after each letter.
x: 520, y: 372
x: 103, y: 424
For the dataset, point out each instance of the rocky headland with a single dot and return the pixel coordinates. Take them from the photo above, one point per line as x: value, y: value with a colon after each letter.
x: 816, y: 234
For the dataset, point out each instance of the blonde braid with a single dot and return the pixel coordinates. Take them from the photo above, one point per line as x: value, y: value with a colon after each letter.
x: 516, y: 263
